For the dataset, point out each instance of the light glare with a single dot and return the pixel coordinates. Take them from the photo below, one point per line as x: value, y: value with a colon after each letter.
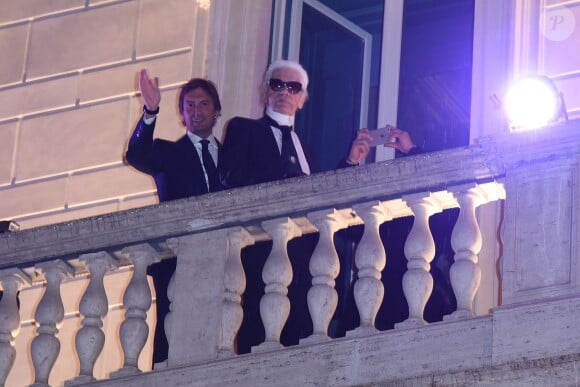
x: 532, y: 103
x: 204, y: 4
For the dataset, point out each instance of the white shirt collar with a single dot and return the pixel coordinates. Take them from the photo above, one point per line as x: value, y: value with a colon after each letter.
x: 196, y: 139
x: 281, y: 119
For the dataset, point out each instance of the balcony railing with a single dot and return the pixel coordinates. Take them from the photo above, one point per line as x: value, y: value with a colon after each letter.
x: 536, y: 173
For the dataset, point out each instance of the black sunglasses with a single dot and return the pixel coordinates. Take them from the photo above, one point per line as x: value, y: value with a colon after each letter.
x: 278, y: 85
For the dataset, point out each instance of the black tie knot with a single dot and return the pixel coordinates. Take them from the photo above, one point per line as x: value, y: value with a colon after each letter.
x: 286, y: 130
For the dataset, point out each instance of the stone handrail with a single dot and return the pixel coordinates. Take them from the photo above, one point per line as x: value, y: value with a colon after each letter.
x: 249, y: 205
x: 370, y: 195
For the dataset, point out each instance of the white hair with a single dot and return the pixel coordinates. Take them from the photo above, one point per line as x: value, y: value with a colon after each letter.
x: 287, y: 64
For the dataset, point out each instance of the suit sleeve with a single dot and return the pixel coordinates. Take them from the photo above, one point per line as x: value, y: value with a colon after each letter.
x: 234, y: 162
x: 141, y: 151
x: 414, y: 151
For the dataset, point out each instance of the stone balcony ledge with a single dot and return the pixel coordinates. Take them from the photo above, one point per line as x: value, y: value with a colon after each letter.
x: 434, y: 171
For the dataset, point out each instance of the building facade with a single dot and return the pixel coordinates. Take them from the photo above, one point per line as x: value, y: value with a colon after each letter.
x: 90, y: 223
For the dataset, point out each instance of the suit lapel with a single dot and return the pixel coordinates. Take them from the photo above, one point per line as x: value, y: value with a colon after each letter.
x: 270, y: 140
x: 271, y: 143
x: 192, y: 167
x: 187, y: 149
x: 192, y: 164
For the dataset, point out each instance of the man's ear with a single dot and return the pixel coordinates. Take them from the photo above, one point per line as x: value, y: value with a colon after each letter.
x: 302, y: 101
x: 264, y: 93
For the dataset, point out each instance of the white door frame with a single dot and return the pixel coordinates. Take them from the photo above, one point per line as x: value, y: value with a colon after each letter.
x: 294, y: 41
x: 390, y: 69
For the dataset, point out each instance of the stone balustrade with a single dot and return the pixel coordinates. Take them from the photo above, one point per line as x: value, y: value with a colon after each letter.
x: 207, y: 235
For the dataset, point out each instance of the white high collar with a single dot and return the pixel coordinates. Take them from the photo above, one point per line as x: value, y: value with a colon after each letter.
x: 281, y: 119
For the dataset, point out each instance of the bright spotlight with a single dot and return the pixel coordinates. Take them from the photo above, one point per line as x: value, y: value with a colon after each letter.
x: 533, y: 102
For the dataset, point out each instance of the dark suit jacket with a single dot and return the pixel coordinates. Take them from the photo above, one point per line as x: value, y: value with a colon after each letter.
x: 249, y: 154
x: 175, y: 166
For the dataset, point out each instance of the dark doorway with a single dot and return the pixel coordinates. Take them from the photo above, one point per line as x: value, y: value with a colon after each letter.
x: 435, y: 76
x: 335, y: 87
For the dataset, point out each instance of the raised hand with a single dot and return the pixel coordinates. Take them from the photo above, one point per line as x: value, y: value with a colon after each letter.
x: 360, y: 147
x: 149, y: 88
x: 400, y: 140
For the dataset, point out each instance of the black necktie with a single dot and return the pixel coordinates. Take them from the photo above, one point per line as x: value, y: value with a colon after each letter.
x: 209, y: 166
x: 288, y: 157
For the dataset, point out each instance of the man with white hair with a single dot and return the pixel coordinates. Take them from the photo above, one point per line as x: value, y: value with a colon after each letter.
x: 267, y: 149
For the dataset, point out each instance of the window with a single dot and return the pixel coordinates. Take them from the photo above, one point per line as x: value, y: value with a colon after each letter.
x: 418, y: 77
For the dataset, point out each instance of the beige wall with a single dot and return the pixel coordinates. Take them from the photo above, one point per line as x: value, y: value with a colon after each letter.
x: 68, y: 93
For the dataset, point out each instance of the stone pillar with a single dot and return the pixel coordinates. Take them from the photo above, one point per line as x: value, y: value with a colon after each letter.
x: 419, y: 251
x: 197, y: 293
x: 94, y: 306
x: 49, y: 315
x: 542, y: 232
x: 466, y: 241
x: 277, y: 275
x: 137, y: 301
x: 234, y: 286
x: 324, y: 267
x: 12, y: 281
x: 370, y: 261
x: 173, y: 244
x: 541, y: 261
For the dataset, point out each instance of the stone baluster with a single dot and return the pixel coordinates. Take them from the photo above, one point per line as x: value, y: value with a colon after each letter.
x: 49, y: 315
x: 93, y: 307
x: 137, y: 301
x: 234, y: 286
x: 277, y: 275
x: 419, y: 251
x: 12, y: 281
x: 370, y: 260
x: 324, y: 267
x: 173, y: 244
x: 466, y: 241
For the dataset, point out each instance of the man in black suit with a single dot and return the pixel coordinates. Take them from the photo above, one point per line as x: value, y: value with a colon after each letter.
x: 186, y: 167
x: 179, y: 168
x: 267, y: 149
